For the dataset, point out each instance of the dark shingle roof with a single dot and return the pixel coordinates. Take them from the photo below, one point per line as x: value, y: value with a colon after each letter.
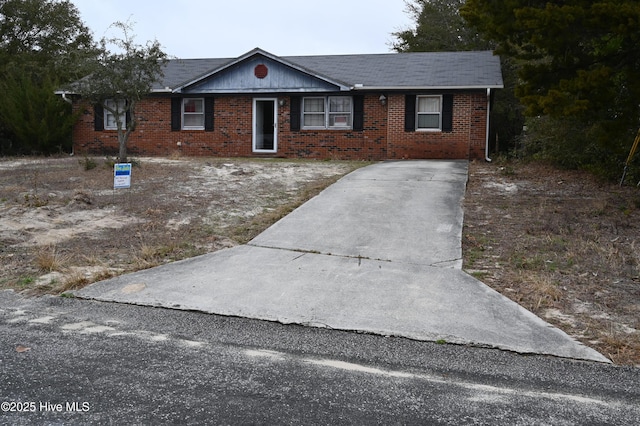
x: 405, y: 70
x: 424, y: 70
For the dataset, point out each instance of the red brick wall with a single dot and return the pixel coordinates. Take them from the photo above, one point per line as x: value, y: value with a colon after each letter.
x: 383, y: 137
x: 466, y: 141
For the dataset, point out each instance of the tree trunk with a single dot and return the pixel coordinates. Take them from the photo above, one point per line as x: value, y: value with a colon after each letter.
x: 122, y: 147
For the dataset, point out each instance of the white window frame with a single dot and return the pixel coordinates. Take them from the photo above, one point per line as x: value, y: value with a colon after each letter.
x: 109, y: 117
x: 322, y: 113
x: 347, y: 114
x: 185, y: 113
x: 327, y: 114
x: 431, y: 113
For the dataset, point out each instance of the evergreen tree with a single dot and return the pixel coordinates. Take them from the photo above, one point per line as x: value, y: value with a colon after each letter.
x: 578, y: 61
x: 439, y: 28
x: 43, y: 43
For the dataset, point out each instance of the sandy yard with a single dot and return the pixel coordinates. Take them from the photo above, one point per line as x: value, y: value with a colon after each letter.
x: 62, y: 224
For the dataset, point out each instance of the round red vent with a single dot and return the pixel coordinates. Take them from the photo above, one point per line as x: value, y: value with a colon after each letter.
x: 261, y: 71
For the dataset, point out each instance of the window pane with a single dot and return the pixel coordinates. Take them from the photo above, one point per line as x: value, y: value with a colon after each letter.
x: 430, y: 104
x: 314, y: 120
x: 342, y: 104
x: 314, y: 105
x: 428, y: 121
x: 193, y: 105
x: 110, y: 103
x: 194, y: 120
x: 111, y: 121
x: 109, y: 117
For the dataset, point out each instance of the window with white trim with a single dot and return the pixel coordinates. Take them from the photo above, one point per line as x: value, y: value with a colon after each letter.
x: 429, y: 113
x: 328, y: 112
x: 193, y: 113
x: 110, y: 118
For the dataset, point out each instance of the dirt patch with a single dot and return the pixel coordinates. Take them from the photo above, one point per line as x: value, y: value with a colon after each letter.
x: 63, y: 226
x: 561, y: 244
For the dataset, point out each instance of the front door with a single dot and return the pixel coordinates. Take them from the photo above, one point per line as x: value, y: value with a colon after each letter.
x: 265, y: 125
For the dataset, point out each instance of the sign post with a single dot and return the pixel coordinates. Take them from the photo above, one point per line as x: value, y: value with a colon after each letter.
x: 122, y: 175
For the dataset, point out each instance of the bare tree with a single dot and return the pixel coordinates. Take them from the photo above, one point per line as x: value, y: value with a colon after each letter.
x: 123, y: 75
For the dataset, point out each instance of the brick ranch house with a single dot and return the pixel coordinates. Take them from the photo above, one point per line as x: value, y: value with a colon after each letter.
x: 369, y: 107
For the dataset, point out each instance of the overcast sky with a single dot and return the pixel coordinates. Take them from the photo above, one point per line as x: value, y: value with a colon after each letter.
x: 230, y: 28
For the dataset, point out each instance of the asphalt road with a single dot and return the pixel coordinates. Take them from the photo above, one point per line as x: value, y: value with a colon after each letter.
x: 94, y: 362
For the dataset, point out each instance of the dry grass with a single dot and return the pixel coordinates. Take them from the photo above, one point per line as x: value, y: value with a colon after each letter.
x: 48, y: 259
x: 564, y: 246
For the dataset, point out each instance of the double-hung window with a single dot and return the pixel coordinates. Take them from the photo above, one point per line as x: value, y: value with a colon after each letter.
x: 330, y: 112
x: 111, y: 106
x: 429, y: 113
x: 313, y: 112
x: 340, y: 112
x: 193, y: 114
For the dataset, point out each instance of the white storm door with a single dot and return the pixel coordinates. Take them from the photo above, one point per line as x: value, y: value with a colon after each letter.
x: 265, y: 125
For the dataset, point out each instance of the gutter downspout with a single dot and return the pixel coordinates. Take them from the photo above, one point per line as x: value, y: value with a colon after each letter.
x: 486, y: 142
x: 70, y: 102
x: 64, y: 98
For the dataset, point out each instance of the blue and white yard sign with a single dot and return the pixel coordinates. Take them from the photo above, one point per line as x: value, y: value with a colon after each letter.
x: 122, y: 175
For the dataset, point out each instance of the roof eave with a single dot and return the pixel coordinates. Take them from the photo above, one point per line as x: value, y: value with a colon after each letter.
x: 401, y: 88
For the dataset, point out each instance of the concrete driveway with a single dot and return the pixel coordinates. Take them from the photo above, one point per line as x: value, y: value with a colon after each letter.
x: 379, y: 252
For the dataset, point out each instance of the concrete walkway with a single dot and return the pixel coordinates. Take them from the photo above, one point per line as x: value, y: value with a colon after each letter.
x: 379, y: 251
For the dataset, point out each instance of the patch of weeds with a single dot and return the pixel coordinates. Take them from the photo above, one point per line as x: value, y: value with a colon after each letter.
x: 74, y: 282
x: 441, y: 342
x: 600, y: 208
x: 68, y: 295
x: 149, y: 255
x: 532, y: 263
x: 48, y: 259
x: 555, y: 243
x: 550, y: 265
x: 472, y: 256
x: 626, y: 210
x: 476, y: 246
x: 34, y: 201
x: 620, y: 347
x: 544, y: 291
x: 570, y: 262
x: 88, y: 163
x: 42, y: 289
x: 507, y: 171
x: 25, y: 282
x: 78, y: 280
x: 480, y: 275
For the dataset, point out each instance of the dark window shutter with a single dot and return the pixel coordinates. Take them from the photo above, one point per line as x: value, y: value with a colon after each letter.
x: 447, y: 113
x: 98, y: 118
x: 358, y: 113
x: 208, y: 114
x: 294, y: 119
x: 176, y: 114
x: 410, y: 113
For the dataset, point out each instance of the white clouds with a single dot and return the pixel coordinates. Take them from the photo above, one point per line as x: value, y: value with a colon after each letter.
x: 201, y: 28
